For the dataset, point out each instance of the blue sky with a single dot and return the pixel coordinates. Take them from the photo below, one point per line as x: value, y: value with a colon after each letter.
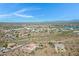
x: 38, y: 12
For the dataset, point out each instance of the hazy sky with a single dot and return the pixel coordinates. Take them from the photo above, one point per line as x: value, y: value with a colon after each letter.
x: 30, y: 12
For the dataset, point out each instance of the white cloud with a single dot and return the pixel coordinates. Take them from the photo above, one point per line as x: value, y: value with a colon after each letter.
x: 32, y: 9
x: 4, y: 15
x: 19, y: 13
x: 27, y: 9
x: 16, y: 14
x: 24, y: 16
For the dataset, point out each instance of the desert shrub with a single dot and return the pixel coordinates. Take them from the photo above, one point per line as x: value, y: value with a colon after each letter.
x: 41, y: 46
x: 5, y: 44
x: 17, y: 35
x: 29, y: 35
x: 51, y: 44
